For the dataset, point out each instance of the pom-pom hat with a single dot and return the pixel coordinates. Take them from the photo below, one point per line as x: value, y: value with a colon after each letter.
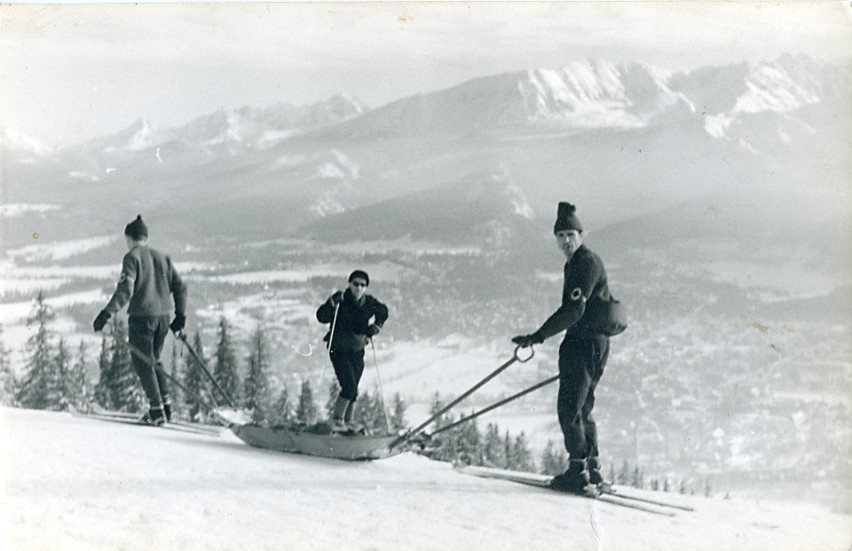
x: 565, y: 218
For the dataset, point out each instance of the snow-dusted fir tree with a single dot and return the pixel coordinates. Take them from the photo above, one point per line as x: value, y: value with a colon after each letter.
x: 522, y: 459
x: 469, y: 443
x: 226, y: 371
x: 126, y: 392
x: 8, y: 383
x: 194, y: 382
x: 61, y: 385
x: 306, y: 410
x: 257, y: 389
x: 494, y: 448
x: 34, y: 389
x: 397, y: 419
x: 103, y: 396
x: 175, y: 391
x: 333, y: 393
x: 553, y: 461
x: 81, y: 391
x: 281, y: 410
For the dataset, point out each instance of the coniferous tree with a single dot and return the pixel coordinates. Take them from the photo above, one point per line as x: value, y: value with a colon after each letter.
x: 623, y: 477
x: 637, y: 480
x: 124, y: 387
x: 81, y: 388
x: 553, y: 462
x: 8, y: 382
x: 521, y: 454
x: 398, y: 422
x: 257, y: 383
x: 509, y: 452
x: 378, y: 419
x: 282, y: 407
x: 34, y: 389
x: 333, y: 393
x: 175, y: 392
x: 469, y: 446
x: 438, y: 405
x: 226, y: 371
x: 195, y: 382
x: 103, y: 396
x: 306, y: 411
x: 494, y: 448
x: 59, y: 393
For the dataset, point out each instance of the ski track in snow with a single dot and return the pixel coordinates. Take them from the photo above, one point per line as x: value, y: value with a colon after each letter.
x: 73, y: 483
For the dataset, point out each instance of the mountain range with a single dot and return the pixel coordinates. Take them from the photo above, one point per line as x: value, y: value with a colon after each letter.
x: 622, y: 141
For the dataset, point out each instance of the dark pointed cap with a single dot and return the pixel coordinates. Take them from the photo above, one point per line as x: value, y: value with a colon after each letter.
x: 137, y: 229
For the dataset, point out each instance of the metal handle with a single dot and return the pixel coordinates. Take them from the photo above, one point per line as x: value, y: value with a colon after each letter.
x: 528, y: 358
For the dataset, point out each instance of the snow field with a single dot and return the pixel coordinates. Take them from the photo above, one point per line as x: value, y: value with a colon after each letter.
x: 74, y: 483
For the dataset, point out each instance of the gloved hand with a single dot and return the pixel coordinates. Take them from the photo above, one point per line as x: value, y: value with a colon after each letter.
x: 178, y: 323
x: 525, y: 341
x: 101, y: 320
x: 373, y: 330
x: 336, y: 298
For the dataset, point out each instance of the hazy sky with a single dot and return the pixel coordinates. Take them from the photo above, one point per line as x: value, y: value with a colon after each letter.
x: 72, y: 72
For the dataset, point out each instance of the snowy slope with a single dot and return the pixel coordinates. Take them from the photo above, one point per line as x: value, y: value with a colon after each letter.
x: 71, y: 483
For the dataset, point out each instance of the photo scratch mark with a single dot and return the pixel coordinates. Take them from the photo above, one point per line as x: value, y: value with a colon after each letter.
x: 310, y: 350
x: 35, y: 235
x: 405, y: 19
x: 158, y: 155
x: 757, y: 325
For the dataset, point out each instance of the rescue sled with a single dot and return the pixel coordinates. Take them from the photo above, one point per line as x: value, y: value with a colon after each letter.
x: 308, y: 441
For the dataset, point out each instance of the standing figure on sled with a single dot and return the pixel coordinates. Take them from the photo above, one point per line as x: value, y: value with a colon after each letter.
x: 355, y: 317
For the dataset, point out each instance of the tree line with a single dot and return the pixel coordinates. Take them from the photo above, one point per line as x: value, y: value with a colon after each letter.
x: 57, y: 378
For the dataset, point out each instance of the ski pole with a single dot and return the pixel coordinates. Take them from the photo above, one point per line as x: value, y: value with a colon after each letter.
x: 495, y: 405
x: 200, y: 364
x: 381, y: 392
x: 144, y: 357
x: 467, y: 393
x: 330, y: 340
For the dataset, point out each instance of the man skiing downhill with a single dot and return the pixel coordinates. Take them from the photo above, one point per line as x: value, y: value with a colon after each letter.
x: 147, y: 280
x: 355, y: 317
x: 583, y: 353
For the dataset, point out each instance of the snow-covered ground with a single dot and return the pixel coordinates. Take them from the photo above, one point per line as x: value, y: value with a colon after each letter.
x: 73, y: 483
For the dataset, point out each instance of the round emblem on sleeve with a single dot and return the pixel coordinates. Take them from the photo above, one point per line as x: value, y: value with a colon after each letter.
x: 576, y: 294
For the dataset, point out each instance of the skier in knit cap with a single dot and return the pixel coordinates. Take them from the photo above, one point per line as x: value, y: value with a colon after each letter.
x: 148, y: 281
x: 355, y: 317
x: 582, y: 354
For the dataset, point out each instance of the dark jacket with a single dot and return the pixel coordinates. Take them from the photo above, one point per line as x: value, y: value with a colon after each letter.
x: 585, y: 281
x: 353, y: 319
x: 148, y: 280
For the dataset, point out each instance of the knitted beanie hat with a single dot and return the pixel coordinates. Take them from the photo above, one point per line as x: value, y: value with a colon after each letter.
x: 360, y: 274
x: 565, y: 218
x: 137, y: 229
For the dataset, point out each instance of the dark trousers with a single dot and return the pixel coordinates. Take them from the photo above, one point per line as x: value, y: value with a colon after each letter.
x: 348, y: 366
x: 147, y: 335
x: 581, y: 365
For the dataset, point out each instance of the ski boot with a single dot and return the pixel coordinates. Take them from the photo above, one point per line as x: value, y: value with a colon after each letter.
x: 575, y: 480
x: 155, y: 417
x: 596, y: 478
